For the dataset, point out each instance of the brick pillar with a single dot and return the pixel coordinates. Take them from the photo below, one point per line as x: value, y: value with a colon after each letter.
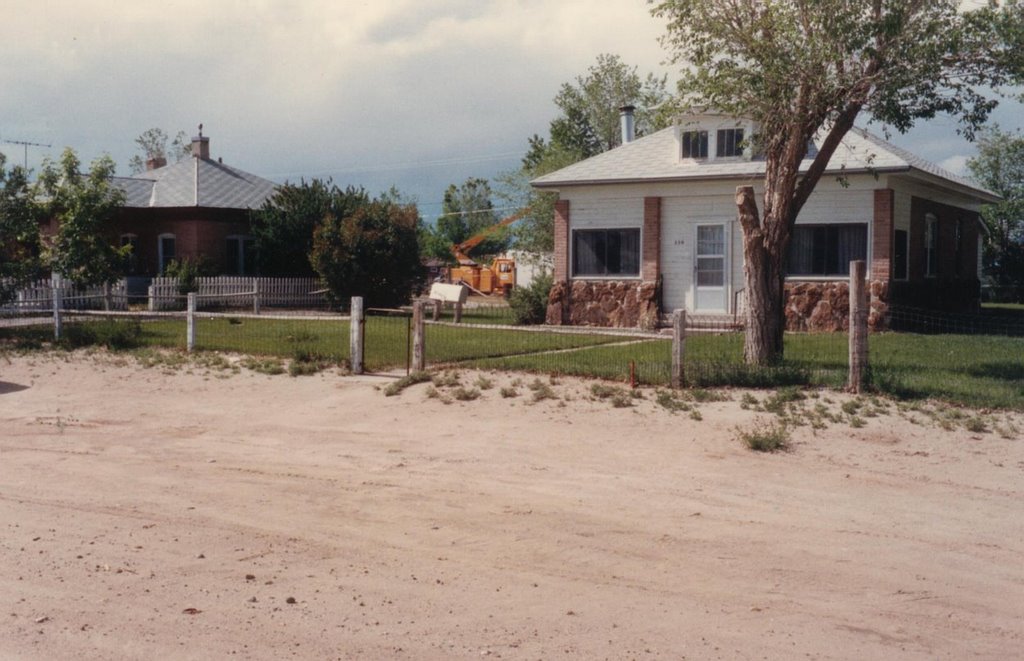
x: 650, y: 257
x: 561, y: 240
x: 881, y: 246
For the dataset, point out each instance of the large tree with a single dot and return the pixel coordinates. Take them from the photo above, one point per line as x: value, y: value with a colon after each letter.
x: 466, y: 210
x: 588, y: 123
x: 283, y: 227
x: 19, y: 230
x: 806, y: 70
x: 84, y: 205
x: 371, y: 251
x: 999, y: 166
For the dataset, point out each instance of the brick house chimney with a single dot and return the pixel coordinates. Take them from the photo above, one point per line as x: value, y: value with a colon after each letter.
x: 201, y: 145
x: 154, y: 163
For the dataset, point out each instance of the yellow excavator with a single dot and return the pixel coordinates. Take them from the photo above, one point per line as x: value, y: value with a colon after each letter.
x: 499, y: 277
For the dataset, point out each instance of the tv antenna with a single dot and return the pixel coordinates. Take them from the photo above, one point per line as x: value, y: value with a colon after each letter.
x: 26, y: 145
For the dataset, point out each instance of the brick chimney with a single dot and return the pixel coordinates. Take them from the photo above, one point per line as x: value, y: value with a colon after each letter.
x: 201, y: 145
x: 156, y: 162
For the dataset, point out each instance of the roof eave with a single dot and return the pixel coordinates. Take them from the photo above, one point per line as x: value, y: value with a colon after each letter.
x: 706, y: 177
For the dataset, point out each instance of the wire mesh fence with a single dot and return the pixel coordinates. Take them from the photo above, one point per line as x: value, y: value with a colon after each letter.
x: 966, y: 358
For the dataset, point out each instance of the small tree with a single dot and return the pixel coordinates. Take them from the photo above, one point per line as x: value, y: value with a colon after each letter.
x: 372, y: 251
x: 806, y: 70
x: 83, y: 205
x: 19, y: 231
x: 466, y: 211
x: 153, y: 144
x: 999, y: 166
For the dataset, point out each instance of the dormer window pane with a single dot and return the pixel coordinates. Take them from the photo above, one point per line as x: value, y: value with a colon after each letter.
x: 730, y: 142
x: 695, y: 144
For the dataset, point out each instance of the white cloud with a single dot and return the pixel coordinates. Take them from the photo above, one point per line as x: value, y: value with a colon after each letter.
x: 957, y: 163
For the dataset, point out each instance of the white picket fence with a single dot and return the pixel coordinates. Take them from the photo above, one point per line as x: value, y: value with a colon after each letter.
x: 239, y: 292
x: 38, y: 295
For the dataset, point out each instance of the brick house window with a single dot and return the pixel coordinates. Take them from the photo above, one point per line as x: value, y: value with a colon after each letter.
x: 826, y: 250
x: 240, y: 255
x: 131, y: 260
x: 931, y: 245
x: 606, y: 252
x: 695, y: 144
x: 166, y: 251
x: 730, y: 142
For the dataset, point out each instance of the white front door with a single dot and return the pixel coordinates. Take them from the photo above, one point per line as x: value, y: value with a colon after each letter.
x: 710, y: 269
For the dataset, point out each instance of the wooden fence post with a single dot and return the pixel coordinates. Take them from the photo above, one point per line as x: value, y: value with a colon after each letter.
x: 355, y: 335
x: 57, y: 293
x: 190, y: 323
x: 255, y: 295
x: 107, y: 303
x: 678, y: 348
x: 438, y: 304
x: 419, y: 353
x: 858, y: 325
x: 458, y: 312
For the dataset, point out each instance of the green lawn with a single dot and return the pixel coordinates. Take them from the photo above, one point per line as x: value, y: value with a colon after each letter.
x: 974, y: 370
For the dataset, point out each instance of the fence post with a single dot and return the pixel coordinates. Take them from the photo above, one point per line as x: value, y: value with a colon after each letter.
x: 858, y: 325
x: 438, y: 304
x: 678, y: 348
x: 190, y: 327
x: 107, y: 304
x: 57, y: 293
x: 419, y: 354
x: 355, y: 335
x: 255, y: 295
x: 152, y: 303
x: 458, y: 312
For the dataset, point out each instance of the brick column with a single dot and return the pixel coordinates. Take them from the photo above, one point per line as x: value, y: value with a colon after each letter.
x: 650, y: 256
x: 561, y: 240
x: 881, y: 246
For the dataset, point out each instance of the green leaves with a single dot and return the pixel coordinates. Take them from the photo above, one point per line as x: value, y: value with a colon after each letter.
x: 83, y: 205
x: 19, y: 230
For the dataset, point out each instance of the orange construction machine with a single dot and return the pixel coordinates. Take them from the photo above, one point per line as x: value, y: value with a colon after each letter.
x: 497, y: 278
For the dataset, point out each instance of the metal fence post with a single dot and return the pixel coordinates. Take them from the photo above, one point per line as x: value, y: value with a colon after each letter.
x: 57, y: 293
x: 419, y: 353
x: 678, y: 348
x: 858, y: 325
x: 190, y: 327
x: 355, y: 335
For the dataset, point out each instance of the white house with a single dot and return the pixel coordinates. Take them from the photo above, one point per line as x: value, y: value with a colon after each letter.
x: 651, y: 226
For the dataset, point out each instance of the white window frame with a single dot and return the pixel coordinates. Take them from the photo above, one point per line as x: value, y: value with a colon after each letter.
x: 572, y: 250
x: 706, y: 138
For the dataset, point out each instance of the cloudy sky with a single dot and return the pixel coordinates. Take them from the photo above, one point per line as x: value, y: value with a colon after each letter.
x: 415, y: 93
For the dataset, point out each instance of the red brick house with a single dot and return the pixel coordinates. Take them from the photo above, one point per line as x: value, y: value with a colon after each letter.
x: 195, y: 208
x: 651, y: 226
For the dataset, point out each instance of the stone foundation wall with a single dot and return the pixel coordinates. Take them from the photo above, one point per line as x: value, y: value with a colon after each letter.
x: 825, y: 306
x: 609, y: 303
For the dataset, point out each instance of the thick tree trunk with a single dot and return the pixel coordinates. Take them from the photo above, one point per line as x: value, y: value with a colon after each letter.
x: 764, y: 276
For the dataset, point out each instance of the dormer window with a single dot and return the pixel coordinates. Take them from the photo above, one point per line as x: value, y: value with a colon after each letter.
x: 695, y: 144
x: 730, y: 143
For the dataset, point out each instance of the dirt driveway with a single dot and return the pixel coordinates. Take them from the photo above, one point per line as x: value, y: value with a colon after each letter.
x: 148, y: 513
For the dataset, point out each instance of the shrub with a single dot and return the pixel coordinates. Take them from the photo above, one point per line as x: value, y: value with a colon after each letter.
x: 188, y: 271
x: 530, y: 304
x: 771, y: 438
x: 409, y: 380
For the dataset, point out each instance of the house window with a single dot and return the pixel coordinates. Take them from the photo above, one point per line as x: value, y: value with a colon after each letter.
x: 606, y: 252
x: 165, y: 251
x: 899, y: 254
x: 131, y: 260
x: 931, y: 245
x: 730, y: 142
x: 826, y: 250
x: 240, y: 255
x: 695, y: 144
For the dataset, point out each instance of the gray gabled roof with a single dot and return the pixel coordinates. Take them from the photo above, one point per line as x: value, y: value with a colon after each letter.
x: 196, y: 182
x: 656, y: 158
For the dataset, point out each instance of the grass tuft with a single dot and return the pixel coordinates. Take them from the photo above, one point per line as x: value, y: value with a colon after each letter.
x: 771, y: 438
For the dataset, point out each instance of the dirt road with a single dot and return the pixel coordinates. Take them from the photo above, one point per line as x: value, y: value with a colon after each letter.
x: 194, y: 514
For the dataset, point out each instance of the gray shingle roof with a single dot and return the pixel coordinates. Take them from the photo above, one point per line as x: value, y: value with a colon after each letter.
x: 196, y: 182
x: 656, y: 158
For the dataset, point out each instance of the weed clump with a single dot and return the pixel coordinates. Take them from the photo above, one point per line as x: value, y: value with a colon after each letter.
x: 771, y: 438
x: 410, y: 379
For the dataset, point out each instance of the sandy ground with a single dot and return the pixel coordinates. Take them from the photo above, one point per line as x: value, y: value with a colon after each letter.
x: 201, y: 515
